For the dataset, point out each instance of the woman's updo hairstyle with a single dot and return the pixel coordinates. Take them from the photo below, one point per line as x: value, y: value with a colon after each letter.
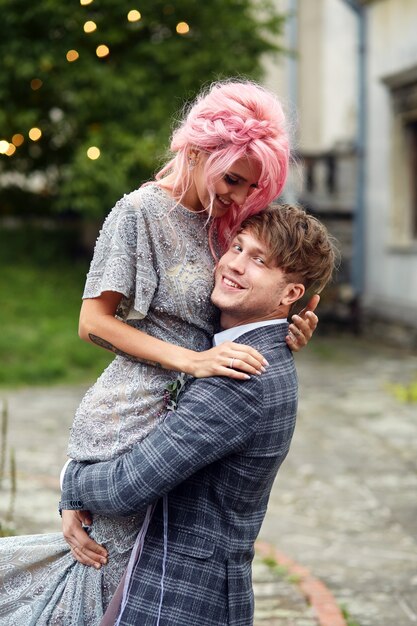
x: 231, y: 120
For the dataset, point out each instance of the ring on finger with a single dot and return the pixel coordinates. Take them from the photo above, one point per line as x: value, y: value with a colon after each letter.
x: 231, y: 363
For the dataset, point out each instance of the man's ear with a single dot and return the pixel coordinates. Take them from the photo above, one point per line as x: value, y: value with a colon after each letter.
x: 292, y: 293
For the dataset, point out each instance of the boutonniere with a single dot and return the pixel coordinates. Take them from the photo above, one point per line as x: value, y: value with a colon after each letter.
x: 172, y: 392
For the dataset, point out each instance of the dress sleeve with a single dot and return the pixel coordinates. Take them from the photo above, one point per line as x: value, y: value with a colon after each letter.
x: 123, y: 259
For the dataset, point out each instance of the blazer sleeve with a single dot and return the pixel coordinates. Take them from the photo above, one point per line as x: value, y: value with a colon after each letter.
x: 216, y: 417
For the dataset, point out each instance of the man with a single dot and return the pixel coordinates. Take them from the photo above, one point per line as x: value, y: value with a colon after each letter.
x: 218, y: 454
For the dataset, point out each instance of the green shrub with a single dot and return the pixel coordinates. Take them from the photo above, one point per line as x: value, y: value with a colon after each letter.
x: 39, y: 342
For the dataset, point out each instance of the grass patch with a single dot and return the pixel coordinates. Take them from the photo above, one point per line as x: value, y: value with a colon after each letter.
x: 349, y: 620
x: 404, y: 393
x: 39, y: 343
x: 6, y: 531
x: 280, y: 570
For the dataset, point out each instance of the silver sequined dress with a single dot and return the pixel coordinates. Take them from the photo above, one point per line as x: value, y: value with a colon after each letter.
x: 156, y: 254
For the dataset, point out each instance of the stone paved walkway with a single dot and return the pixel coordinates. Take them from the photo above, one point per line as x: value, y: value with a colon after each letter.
x: 279, y: 601
x: 344, y: 504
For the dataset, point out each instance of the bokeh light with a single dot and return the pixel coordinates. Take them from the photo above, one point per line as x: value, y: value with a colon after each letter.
x: 72, y: 55
x: 35, y: 133
x: 10, y: 150
x: 18, y: 139
x: 90, y: 26
x: 85, y: 2
x: 182, y: 28
x: 36, y: 83
x: 93, y: 153
x: 4, y: 146
x: 102, y: 51
x: 133, y: 16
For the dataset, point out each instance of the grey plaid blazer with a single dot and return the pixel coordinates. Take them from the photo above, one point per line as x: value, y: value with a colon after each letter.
x: 217, y: 456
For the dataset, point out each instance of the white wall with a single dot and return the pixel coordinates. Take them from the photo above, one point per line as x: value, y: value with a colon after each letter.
x: 391, y: 271
x: 322, y: 102
x: 327, y: 74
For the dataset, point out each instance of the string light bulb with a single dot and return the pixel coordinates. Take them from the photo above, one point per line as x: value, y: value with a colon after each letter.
x: 102, y: 51
x: 182, y: 28
x: 4, y: 146
x: 134, y: 16
x: 35, y: 133
x: 90, y: 27
x: 17, y: 139
x: 36, y: 83
x: 93, y: 153
x: 72, y: 55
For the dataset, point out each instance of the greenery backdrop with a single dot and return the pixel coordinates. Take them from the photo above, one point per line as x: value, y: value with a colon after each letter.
x: 41, y: 283
x: 121, y: 103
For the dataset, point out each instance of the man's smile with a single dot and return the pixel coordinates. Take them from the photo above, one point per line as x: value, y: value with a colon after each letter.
x: 231, y: 283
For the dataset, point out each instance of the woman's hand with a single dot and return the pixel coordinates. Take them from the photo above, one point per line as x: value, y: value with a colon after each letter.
x: 303, y: 326
x: 230, y: 359
x: 83, y: 548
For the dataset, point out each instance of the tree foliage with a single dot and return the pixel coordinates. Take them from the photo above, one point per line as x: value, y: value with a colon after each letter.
x: 122, y: 103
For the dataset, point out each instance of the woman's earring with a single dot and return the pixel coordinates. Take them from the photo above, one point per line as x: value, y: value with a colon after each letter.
x: 191, y: 163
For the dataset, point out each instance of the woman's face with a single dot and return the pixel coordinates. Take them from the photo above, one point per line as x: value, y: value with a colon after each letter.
x: 234, y: 186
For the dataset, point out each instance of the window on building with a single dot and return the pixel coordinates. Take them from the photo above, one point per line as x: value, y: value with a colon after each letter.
x: 403, y: 92
x: 411, y: 143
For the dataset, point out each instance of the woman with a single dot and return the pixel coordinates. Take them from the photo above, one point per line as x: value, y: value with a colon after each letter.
x: 147, y: 298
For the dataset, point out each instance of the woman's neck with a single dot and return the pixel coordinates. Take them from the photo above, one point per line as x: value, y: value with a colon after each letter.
x: 189, y: 200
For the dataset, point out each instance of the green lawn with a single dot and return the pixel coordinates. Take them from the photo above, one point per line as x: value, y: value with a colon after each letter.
x: 39, y: 343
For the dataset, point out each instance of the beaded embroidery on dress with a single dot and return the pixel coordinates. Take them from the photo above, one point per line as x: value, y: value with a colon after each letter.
x: 156, y: 254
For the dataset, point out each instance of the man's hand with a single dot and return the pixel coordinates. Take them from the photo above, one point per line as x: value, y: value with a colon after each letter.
x: 84, y: 549
x: 303, y: 325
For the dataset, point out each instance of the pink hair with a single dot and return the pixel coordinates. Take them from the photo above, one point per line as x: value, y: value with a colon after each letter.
x: 229, y: 121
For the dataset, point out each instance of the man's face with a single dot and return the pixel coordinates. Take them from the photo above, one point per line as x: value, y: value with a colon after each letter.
x: 248, y: 285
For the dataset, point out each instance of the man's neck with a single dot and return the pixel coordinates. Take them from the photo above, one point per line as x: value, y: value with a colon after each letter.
x: 230, y: 321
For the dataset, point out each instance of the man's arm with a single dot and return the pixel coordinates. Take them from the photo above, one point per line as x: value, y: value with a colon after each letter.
x: 216, y: 417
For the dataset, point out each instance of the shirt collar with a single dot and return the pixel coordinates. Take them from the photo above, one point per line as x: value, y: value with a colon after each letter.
x: 230, y: 334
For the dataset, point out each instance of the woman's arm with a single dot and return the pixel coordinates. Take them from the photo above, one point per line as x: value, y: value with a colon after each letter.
x: 98, y: 325
x: 303, y: 325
